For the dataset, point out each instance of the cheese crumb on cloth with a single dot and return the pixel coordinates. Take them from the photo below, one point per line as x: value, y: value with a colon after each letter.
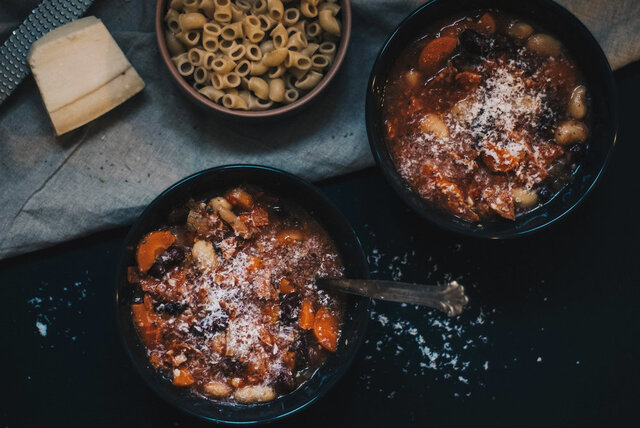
x: 101, y: 175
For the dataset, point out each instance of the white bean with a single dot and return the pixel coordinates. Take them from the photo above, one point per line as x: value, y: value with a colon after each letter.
x: 254, y: 394
x: 520, y: 30
x: 204, y: 254
x: 434, y: 125
x: 578, y: 103
x: 525, y: 198
x: 217, y: 389
x: 571, y: 131
x: 544, y: 45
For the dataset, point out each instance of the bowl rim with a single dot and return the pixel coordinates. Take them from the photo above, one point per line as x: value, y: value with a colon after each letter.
x: 143, y: 370
x: 424, y: 208
x: 203, y: 101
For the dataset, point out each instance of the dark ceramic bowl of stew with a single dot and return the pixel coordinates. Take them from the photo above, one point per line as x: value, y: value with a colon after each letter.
x: 208, y: 184
x: 545, y: 17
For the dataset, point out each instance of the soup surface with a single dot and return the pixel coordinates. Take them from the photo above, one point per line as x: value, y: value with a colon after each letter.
x: 228, y: 305
x: 485, y: 116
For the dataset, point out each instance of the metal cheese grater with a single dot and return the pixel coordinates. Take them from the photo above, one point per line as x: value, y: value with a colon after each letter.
x: 44, y: 18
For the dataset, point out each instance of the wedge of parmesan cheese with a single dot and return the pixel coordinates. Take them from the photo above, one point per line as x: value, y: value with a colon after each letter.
x: 81, y: 73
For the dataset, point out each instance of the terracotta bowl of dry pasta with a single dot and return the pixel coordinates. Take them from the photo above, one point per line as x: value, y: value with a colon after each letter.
x: 259, y: 59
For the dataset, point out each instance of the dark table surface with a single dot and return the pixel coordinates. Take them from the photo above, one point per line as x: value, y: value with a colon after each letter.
x: 550, y: 337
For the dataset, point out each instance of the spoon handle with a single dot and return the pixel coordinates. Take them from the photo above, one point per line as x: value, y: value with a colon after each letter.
x: 449, y: 298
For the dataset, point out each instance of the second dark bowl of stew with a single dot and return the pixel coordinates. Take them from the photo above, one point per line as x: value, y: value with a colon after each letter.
x: 172, y: 361
x: 465, y: 146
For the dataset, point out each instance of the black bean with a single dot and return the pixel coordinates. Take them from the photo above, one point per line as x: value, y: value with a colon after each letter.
x: 173, y: 256
x: 545, y: 192
x: 289, y: 307
x: 284, y: 382
x: 215, y: 322
x: 232, y: 367
x: 300, y: 348
x: 474, y: 42
x: 170, y: 308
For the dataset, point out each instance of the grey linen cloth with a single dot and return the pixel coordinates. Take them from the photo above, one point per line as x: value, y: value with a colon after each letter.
x: 102, y: 175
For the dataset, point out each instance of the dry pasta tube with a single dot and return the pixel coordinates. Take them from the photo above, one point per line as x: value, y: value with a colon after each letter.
x: 276, y: 90
x: 276, y: 9
x: 201, y: 75
x: 196, y: 56
x: 227, y: 46
x: 290, y: 95
x: 259, y: 87
x: 185, y: 68
x: 237, y: 53
x: 244, y: 82
x: 300, y: 26
x: 191, y: 21
x: 207, y: 7
x: 176, y: 4
x: 210, y: 42
x: 327, y: 48
x: 243, y: 5
x: 237, y: 15
x: 297, y: 60
x: 212, y: 93
x: 312, y: 2
x: 320, y: 62
x: 222, y: 12
x: 171, y: 19
x: 252, y: 30
x: 266, y: 22
x: 333, y: 7
x: 297, y: 41
x: 173, y: 44
x: 314, y: 30
x: 276, y: 72
x: 260, y: 7
x: 258, y: 68
x: 223, y: 65
x: 297, y: 74
x: 225, y: 81
x: 266, y: 46
x: 189, y: 39
x: 308, y: 9
x: 190, y: 5
x: 212, y: 28
x: 279, y: 36
x: 291, y: 16
x: 309, y: 81
x: 234, y: 101
x: 232, y: 31
x: 253, y: 52
x: 243, y: 68
x: 207, y: 60
x: 289, y: 81
x: 328, y: 22
x: 276, y: 57
x: 254, y: 103
x: 310, y: 49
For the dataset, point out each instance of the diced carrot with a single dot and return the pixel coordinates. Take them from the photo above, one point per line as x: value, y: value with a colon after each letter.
x: 146, y: 322
x: 486, y: 24
x: 285, y: 286
x: 271, y: 313
x: 152, y: 246
x: 435, y: 52
x: 181, y: 377
x: 240, y: 197
x: 155, y: 361
x: 498, y: 159
x: 326, y: 329
x: 306, y: 318
x: 255, y: 263
x: 289, y: 360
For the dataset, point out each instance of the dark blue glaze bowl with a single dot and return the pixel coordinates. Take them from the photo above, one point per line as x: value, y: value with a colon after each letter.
x: 589, y: 57
x: 207, y: 184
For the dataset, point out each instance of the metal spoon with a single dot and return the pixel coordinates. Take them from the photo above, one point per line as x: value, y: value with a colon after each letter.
x: 449, y: 298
